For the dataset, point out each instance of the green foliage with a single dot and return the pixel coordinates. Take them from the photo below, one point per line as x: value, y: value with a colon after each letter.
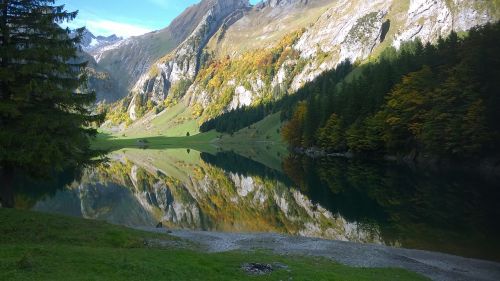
x: 331, y: 136
x: 179, y: 89
x: 440, y: 99
x: 242, y: 117
x: 256, y: 65
x: 292, y: 131
x: 45, y: 115
x: 117, y: 113
x: 358, y: 31
x: 365, y: 136
x: 140, y: 108
x: 154, y: 71
x: 405, y: 109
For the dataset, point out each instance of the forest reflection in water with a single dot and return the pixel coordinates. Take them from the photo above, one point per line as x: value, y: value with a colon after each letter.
x: 335, y: 198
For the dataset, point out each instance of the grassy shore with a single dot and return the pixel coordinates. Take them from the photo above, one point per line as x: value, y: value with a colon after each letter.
x: 201, y: 142
x: 266, y: 131
x: 260, y: 141
x: 36, y: 246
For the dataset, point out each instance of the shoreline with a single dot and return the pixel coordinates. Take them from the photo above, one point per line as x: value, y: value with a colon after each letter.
x: 434, y: 265
x: 488, y: 168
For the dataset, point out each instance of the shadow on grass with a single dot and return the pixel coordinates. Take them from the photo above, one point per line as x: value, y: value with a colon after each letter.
x: 110, y: 143
x: 265, y: 153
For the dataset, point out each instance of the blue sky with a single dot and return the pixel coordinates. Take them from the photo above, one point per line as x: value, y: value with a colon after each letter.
x: 125, y: 17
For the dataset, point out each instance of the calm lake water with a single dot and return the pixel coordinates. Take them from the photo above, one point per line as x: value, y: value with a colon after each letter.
x: 352, y: 200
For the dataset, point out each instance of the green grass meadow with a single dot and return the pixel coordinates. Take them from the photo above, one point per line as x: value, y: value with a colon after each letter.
x: 36, y: 246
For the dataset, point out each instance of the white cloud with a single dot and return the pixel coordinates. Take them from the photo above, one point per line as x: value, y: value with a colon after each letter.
x: 108, y: 27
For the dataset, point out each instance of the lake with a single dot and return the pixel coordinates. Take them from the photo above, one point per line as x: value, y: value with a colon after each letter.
x: 343, y: 199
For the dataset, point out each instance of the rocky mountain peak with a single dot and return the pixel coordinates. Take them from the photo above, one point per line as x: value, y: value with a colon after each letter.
x: 280, y: 3
x: 109, y: 38
x: 228, y: 5
x: 182, y: 64
x: 229, y: 2
x: 87, y: 36
x: 90, y: 42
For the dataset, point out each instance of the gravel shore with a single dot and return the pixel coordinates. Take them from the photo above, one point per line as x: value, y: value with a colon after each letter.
x: 437, y: 266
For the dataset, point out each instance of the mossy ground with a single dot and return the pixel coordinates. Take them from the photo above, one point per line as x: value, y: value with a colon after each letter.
x: 36, y: 246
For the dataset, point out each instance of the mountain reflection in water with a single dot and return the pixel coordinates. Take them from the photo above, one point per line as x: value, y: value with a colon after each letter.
x: 352, y: 200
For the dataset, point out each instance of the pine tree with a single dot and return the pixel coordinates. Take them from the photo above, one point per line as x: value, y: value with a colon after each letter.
x: 45, y: 120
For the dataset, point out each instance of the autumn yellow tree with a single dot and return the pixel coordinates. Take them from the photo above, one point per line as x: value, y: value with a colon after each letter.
x: 293, y: 130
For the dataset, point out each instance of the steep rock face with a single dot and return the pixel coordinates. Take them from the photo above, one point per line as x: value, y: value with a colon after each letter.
x: 264, y: 25
x: 278, y: 3
x: 183, y: 62
x: 333, y: 31
x: 352, y: 30
x: 429, y: 19
x: 356, y: 24
x: 130, y: 58
x: 349, y: 30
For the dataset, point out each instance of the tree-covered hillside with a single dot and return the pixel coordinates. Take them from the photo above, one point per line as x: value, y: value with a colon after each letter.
x: 438, y: 99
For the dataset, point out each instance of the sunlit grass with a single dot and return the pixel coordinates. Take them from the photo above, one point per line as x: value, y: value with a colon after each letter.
x: 260, y: 142
x: 35, y: 246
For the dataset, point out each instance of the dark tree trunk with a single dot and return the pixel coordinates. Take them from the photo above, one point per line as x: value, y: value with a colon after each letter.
x: 7, y: 186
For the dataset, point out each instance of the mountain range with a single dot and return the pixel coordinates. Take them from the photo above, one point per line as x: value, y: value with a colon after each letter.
x: 91, y: 43
x: 220, y: 55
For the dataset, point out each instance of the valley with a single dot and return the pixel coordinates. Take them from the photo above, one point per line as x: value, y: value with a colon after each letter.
x: 245, y: 140
x: 235, y: 57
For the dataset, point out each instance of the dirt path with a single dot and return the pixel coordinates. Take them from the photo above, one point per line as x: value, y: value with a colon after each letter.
x: 436, y: 266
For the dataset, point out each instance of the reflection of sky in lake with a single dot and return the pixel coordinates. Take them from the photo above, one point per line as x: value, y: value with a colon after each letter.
x: 333, y: 199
